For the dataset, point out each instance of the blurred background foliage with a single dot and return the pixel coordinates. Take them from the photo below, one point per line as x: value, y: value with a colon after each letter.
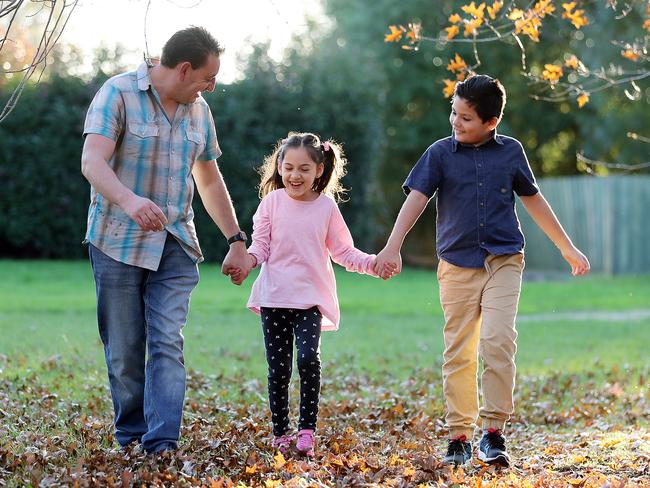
x: 340, y: 80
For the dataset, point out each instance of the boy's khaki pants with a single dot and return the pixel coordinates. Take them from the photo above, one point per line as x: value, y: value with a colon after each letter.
x: 480, y: 306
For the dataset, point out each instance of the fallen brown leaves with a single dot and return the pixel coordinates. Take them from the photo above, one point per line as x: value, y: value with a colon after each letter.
x: 569, y: 430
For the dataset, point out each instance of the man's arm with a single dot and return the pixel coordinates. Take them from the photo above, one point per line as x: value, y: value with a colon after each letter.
x: 97, y: 151
x: 216, y: 201
x: 410, y: 212
x: 543, y: 215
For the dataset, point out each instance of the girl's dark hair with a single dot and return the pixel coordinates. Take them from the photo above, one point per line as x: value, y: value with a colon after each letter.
x: 330, y: 154
x: 193, y: 44
x: 484, y: 94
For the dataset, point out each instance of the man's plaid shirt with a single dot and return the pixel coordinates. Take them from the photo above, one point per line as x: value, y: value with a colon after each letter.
x: 154, y: 158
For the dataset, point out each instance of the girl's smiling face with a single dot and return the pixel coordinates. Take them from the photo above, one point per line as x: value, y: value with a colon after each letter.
x: 468, y: 126
x: 298, y: 172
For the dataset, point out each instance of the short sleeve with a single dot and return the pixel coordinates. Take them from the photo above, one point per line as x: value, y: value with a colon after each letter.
x: 425, y: 175
x: 524, y: 183
x: 212, y: 149
x: 106, y: 115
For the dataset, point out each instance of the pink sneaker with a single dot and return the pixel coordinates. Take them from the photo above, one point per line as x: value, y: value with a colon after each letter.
x: 305, y: 442
x: 283, y: 443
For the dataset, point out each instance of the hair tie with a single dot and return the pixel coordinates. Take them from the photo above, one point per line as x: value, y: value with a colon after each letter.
x: 326, y: 146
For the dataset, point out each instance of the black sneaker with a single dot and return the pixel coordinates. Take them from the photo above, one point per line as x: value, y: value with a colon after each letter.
x: 459, y: 451
x: 492, y: 448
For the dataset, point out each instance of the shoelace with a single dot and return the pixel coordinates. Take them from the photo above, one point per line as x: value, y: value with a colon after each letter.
x: 495, y: 439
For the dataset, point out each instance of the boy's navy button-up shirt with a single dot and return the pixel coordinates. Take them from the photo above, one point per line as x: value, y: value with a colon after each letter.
x: 475, y: 196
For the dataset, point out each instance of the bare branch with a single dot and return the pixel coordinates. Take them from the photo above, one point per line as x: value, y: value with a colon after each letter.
x: 59, y: 12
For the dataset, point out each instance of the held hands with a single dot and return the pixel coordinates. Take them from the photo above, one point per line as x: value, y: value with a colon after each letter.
x: 145, y: 213
x: 578, y: 261
x: 388, y: 263
x: 238, y: 263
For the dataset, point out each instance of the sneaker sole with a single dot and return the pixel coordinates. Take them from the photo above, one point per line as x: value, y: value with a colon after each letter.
x: 500, y: 460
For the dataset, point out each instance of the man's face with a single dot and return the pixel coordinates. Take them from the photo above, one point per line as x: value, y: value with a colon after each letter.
x: 468, y: 126
x: 195, y: 81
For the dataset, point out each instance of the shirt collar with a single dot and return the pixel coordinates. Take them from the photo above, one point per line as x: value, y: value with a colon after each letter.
x: 142, y: 75
x: 454, y: 143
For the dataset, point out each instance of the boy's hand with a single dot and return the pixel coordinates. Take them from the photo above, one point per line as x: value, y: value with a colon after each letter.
x: 388, y: 263
x: 578, y: 261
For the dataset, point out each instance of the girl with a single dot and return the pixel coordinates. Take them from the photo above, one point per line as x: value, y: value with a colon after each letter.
x: 296, y: 228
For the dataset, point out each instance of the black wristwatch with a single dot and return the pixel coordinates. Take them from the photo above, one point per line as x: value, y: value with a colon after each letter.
x: 239, y: 236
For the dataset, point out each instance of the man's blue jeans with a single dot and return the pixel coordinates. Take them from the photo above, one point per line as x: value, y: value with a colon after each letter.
x: 140, y: 314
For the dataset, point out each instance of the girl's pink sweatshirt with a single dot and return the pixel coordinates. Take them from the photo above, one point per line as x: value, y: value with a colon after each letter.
x: 293, y: 241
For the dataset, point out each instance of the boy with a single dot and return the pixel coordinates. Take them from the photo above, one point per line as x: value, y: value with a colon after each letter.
x: 480, y: 249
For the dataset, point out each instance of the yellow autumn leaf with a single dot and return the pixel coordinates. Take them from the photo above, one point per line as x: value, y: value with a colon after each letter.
x: 456, y: 64
x: 395, y: 33
x: 279, y: 461
x: 583, y: 99
x: 611, y: 442
x: 578, y: 458
x: 552, y: 73
x: 494, y: 9
x: 454, y: 19
x: 515, y: 14
x: 450, y: 86
x: 251, y: 469
x: 576, y: 17
x: 646, y: 25
x: 272, y: 483
x: 471, y: 27
x: 575, y: 481
x: 630, y: 54
x: 408, y: 471
x: 572, y: 62
x: 474, y: 11
x: 452, y: 31
x: 543, y: 8
x: 413, y: 35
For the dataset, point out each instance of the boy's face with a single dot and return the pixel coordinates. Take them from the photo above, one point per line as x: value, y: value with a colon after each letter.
x: 468, y: 126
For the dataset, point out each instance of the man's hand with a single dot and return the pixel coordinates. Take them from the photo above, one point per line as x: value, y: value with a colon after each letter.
x: 578, y: 261
x: 238, y: 263
x: 145, y: 213
x: 388, y: 263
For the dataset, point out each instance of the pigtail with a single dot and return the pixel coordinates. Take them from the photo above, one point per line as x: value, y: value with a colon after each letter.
x: 334, y: 170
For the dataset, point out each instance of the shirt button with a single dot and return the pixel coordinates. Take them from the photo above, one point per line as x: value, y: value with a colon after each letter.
x: 480, y: 184
x: 503, y: 190
x: 482, y: 204
x: 480, y: 165
x: 481, y: 224
x: 483, y: 243
x: 169, y: 203
x: 171, y: 177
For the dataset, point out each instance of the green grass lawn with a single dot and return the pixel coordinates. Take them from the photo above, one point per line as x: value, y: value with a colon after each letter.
x: 47, y: 316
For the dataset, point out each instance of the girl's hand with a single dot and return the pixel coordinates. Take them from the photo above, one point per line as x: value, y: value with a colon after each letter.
x: 388, y: 263
x: 578, y: 261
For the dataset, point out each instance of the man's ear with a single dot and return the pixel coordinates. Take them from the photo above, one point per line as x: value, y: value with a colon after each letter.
x: 183, y: 69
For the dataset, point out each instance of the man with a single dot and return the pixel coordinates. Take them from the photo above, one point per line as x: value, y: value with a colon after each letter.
x: 148, y: 134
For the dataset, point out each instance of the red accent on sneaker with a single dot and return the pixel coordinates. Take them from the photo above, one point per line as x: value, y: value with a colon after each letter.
x: 461, y: 438
x: 305, y: 442
x: 492, y: 430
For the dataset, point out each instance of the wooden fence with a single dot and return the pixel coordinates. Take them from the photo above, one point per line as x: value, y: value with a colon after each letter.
x: 608, y: 218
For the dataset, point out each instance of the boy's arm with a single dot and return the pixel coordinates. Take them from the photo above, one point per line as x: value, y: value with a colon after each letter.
x: 543, y: 215
x: 411, y: 210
